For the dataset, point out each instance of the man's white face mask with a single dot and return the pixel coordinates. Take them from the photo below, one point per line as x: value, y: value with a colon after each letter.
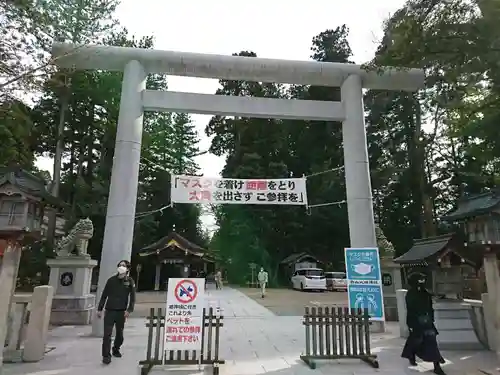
x: 262, y: 270
x: 122, y: 270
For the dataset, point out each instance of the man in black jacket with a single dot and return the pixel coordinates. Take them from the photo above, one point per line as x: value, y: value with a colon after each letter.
x: 118, y: 299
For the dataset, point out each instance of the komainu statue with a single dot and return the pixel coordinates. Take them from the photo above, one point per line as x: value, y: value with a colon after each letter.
x: 78, y: 237
x: 385, y: 246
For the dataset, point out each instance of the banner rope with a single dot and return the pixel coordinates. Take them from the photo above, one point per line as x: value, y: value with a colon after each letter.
x: 323, y: 172
x: 307, y: 206
x: 147, y: 213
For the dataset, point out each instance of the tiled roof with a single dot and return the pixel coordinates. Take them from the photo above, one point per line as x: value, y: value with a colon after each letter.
x: 424, y: 248
x: 28, y: 183
x: 297, y: 257
x: 475, y: 205
x: 163, y: 243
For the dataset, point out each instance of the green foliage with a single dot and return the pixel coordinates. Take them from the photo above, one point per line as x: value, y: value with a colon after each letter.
x: 89, y: 128
x: 33, y: 270
x: 429, y: 149
x: 261, y: 148
x: 245, y: 247
x: 15, y: 133
x: 426, y: 149
x: 29, y: 27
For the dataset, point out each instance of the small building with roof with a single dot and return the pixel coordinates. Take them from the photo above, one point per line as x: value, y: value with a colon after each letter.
x: 453, y: 259
x: 444, y: 259
x: 172, y: 256
x: 478, y: 216
x: 297, y: 261
x: 460, y: 264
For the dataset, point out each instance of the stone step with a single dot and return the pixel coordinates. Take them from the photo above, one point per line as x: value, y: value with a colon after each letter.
x: 451, y: 314
x: 458, y: 340
x: 453, y: 324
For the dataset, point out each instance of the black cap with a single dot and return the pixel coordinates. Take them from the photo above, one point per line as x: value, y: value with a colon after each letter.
x: 415, y: 277
x: 127, y: 263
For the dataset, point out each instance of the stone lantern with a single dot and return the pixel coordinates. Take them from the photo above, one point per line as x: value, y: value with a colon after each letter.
x: 23, y: 197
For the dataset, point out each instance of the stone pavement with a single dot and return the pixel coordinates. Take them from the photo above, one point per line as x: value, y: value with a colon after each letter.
x: 254, y: 341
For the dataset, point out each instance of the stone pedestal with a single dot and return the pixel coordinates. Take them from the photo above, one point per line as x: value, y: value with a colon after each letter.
x: 70, y: 276
x: 491, y: 266
x: 453, y: 321
x: 391, y: 281
x: 401, y: 306
x: 8, y: 275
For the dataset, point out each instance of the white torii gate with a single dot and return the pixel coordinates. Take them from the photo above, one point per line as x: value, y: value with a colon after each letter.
x: 137, y: 63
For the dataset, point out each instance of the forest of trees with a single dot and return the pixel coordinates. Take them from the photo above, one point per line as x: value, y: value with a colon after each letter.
x: 71, y: 116
x: 426, y: 149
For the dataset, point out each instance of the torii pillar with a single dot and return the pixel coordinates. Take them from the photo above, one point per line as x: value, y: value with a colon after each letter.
x: 136, y: 63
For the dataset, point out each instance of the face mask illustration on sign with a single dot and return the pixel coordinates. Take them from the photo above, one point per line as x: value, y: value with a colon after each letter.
x: 362, y: 268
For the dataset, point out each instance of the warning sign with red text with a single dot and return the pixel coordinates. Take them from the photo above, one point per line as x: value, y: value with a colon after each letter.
x: 205, y: 190
x: 184, y: 316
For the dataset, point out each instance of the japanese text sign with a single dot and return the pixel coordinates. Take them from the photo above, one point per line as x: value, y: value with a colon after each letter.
x: 364, y: 282
x: 184, y: 316
x: 192, y: 189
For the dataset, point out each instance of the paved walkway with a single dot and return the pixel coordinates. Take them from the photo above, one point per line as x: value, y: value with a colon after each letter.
x: 254, y: 341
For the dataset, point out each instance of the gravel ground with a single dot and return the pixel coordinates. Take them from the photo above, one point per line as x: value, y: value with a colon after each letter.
x: 282, y: 302
x: 289, y: 302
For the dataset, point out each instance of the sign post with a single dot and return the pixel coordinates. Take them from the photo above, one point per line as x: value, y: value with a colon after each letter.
x: 253, y: 266
x: 184, y: 314
x: 364, y: 282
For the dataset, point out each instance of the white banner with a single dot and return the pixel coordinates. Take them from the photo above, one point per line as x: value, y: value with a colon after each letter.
x: 192, y: 189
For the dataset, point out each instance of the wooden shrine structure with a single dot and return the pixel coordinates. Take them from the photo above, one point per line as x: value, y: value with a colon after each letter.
x: 444, y: 259
x: 173, y: 256
x: 478, y: 217
x: 451, y: 259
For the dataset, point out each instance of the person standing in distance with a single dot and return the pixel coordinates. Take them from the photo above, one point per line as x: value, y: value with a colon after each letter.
x: 218, y: 279
x: 263, y: 278
x: 118, y: 300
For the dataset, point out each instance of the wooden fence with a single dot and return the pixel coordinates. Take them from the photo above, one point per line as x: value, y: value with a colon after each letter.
x: 337, y: 333
x: 210, y: 343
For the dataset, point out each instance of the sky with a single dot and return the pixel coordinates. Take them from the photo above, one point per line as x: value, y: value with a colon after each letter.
x: 271, y: 29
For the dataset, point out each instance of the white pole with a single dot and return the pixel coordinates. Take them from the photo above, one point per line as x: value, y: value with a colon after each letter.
x: 357, y: 170
x: 120, y: 214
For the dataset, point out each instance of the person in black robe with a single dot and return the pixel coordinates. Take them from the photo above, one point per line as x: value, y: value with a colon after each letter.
x: 422, y: 340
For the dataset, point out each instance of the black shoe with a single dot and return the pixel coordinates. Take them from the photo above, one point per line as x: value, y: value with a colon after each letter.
x: 106, y: 360
x: 442, y: 361
x: 116, y: 353
x: 413, y: 362
x: 439, y: 371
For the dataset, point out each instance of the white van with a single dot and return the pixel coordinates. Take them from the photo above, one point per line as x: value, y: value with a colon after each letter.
x: 309, y: 279
x: 336, y: 281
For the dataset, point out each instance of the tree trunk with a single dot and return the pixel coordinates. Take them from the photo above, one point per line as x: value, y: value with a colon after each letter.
x: 51, y: 225
x: 428, y: 228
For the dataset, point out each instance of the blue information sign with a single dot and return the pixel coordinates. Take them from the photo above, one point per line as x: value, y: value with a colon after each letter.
x: 364, y: 284
x: 367, y: 296
x: 362, y: 264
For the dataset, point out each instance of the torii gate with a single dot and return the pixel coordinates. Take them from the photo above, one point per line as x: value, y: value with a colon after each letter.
x: 137, y: 63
